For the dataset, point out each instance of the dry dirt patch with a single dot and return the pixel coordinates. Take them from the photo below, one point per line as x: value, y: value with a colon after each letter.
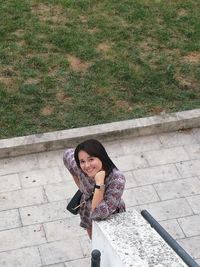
x: 123, y: 104
x: 19, y: 33
x: 21, y: 43
x: 11, y: 84
x: 83, y: 19
x: 145, y: 48
x: 182, y: 13
x: 104, y: 47
x: 32, y: 81
x: 52, y: 13
x: 93, y: 30
x: 103, y: 91
x: 187, y: 83
x: 192, y: 58
x: 6, y: 81
x: 62, y: 97
x: 76, y: 64
x: 8, y: 78
x: 47, y: 111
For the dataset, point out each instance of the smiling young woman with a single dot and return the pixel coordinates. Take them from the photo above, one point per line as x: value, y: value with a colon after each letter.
x: 98, y: 178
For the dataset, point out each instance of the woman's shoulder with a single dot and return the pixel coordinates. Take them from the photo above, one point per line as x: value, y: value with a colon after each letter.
x: 69, y: 152
x: 117, y: 175
x: 68, y: 157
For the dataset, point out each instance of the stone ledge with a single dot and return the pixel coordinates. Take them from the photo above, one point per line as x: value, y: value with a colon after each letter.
x: 126, y: 239
x: 104, y: 132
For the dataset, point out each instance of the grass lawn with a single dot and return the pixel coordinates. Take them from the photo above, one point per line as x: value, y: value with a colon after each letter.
x: 66, y: 63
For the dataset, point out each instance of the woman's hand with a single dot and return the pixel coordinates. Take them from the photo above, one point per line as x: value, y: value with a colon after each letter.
x: 100, y: 177
x: 98, y: 194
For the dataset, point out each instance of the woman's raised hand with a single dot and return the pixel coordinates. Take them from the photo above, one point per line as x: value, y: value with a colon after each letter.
x: 99, y: 177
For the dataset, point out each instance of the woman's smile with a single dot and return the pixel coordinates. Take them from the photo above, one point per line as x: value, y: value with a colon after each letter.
x: 89, y: 164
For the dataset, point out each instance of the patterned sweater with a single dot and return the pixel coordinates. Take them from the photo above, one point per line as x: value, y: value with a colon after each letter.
x: 112, y: 201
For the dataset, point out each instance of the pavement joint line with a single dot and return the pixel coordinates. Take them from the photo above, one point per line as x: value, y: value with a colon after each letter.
x: 164, y: 122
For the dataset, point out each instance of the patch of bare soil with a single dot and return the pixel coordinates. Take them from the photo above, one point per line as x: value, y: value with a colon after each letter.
x: 52, y: 13
x: 93, y: 30
x: 146, y: 49
x: 123, y: 104
x: 21, y: 43
x: 103, y: 47
x: 6, y: 81
x: 32, y: 81
x: 7, y: 72
x: 11, y: 84
x: 76, y: 64
x: 83, y: 19
x: 157, y: 110
x: 62, y: 97
x: 105, y: 91
x: 145, y: 45
x: 8, y: 78
x: 47, y: 111
x: 187, y: 83
x: 40, y: 55
x: 19, y: 33
x: 192, y: 58
x: 182, y: 13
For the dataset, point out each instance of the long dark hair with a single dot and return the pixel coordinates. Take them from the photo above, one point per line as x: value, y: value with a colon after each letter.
x: 95, y: 149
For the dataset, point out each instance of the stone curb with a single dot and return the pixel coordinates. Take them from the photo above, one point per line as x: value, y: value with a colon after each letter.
x: 104, y: 132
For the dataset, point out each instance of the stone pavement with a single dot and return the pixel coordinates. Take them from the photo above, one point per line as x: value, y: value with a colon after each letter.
x: 163, y: 176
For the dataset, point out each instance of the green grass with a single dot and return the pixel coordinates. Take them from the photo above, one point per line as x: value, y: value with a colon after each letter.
x: 66, y: 63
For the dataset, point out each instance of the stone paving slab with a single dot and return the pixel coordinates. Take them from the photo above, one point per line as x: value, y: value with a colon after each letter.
x: 60, y: 251
x: 190, y: 225
x: 66, y: 229
x: 37, y: 178
x: 178, y: 189
x: 22, y: 237
x: 173, y: 227
x: 166, y: 156
x: 194, y: 203
x: 21, y: 257
x: 191, y: 245
x: 170, y: 209
x: 163, y: 176
x: 156, y: 174
x: 10, y: 219
x: 188, y: 168
x: 43, y: 213
x: 9, y: 182
x: 22, y: 198
x: 140, y: 195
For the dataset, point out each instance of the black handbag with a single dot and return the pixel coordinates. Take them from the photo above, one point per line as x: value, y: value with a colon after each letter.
x: 74, y: 204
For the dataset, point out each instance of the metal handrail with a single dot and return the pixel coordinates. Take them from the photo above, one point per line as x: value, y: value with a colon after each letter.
x: 169, y: 240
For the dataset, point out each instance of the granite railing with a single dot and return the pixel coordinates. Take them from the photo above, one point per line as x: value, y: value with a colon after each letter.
x: 127, y: 240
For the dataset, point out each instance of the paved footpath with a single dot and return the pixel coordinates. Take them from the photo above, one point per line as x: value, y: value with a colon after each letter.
x: 163, y: 176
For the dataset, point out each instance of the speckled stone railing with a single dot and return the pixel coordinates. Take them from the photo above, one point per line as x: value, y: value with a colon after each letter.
x: 126, y: 240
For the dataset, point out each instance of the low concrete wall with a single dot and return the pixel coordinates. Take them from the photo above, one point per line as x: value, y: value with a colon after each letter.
x: 126, y: 240
x: 104, y: 132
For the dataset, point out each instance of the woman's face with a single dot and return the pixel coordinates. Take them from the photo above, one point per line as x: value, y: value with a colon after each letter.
x: 89, y: 164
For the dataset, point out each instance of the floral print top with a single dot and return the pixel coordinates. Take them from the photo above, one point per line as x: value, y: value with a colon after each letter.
x: 114, y: 187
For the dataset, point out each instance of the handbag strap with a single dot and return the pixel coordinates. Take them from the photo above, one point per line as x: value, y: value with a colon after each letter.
x: 90, y: 197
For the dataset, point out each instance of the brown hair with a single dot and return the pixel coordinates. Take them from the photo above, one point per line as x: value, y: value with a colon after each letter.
x: 95, y: 149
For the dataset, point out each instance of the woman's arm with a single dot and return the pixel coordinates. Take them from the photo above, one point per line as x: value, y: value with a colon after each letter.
x: 76, y: 180
x: 98, y: 193
x: 111, y: 199
x: 70, y: 164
